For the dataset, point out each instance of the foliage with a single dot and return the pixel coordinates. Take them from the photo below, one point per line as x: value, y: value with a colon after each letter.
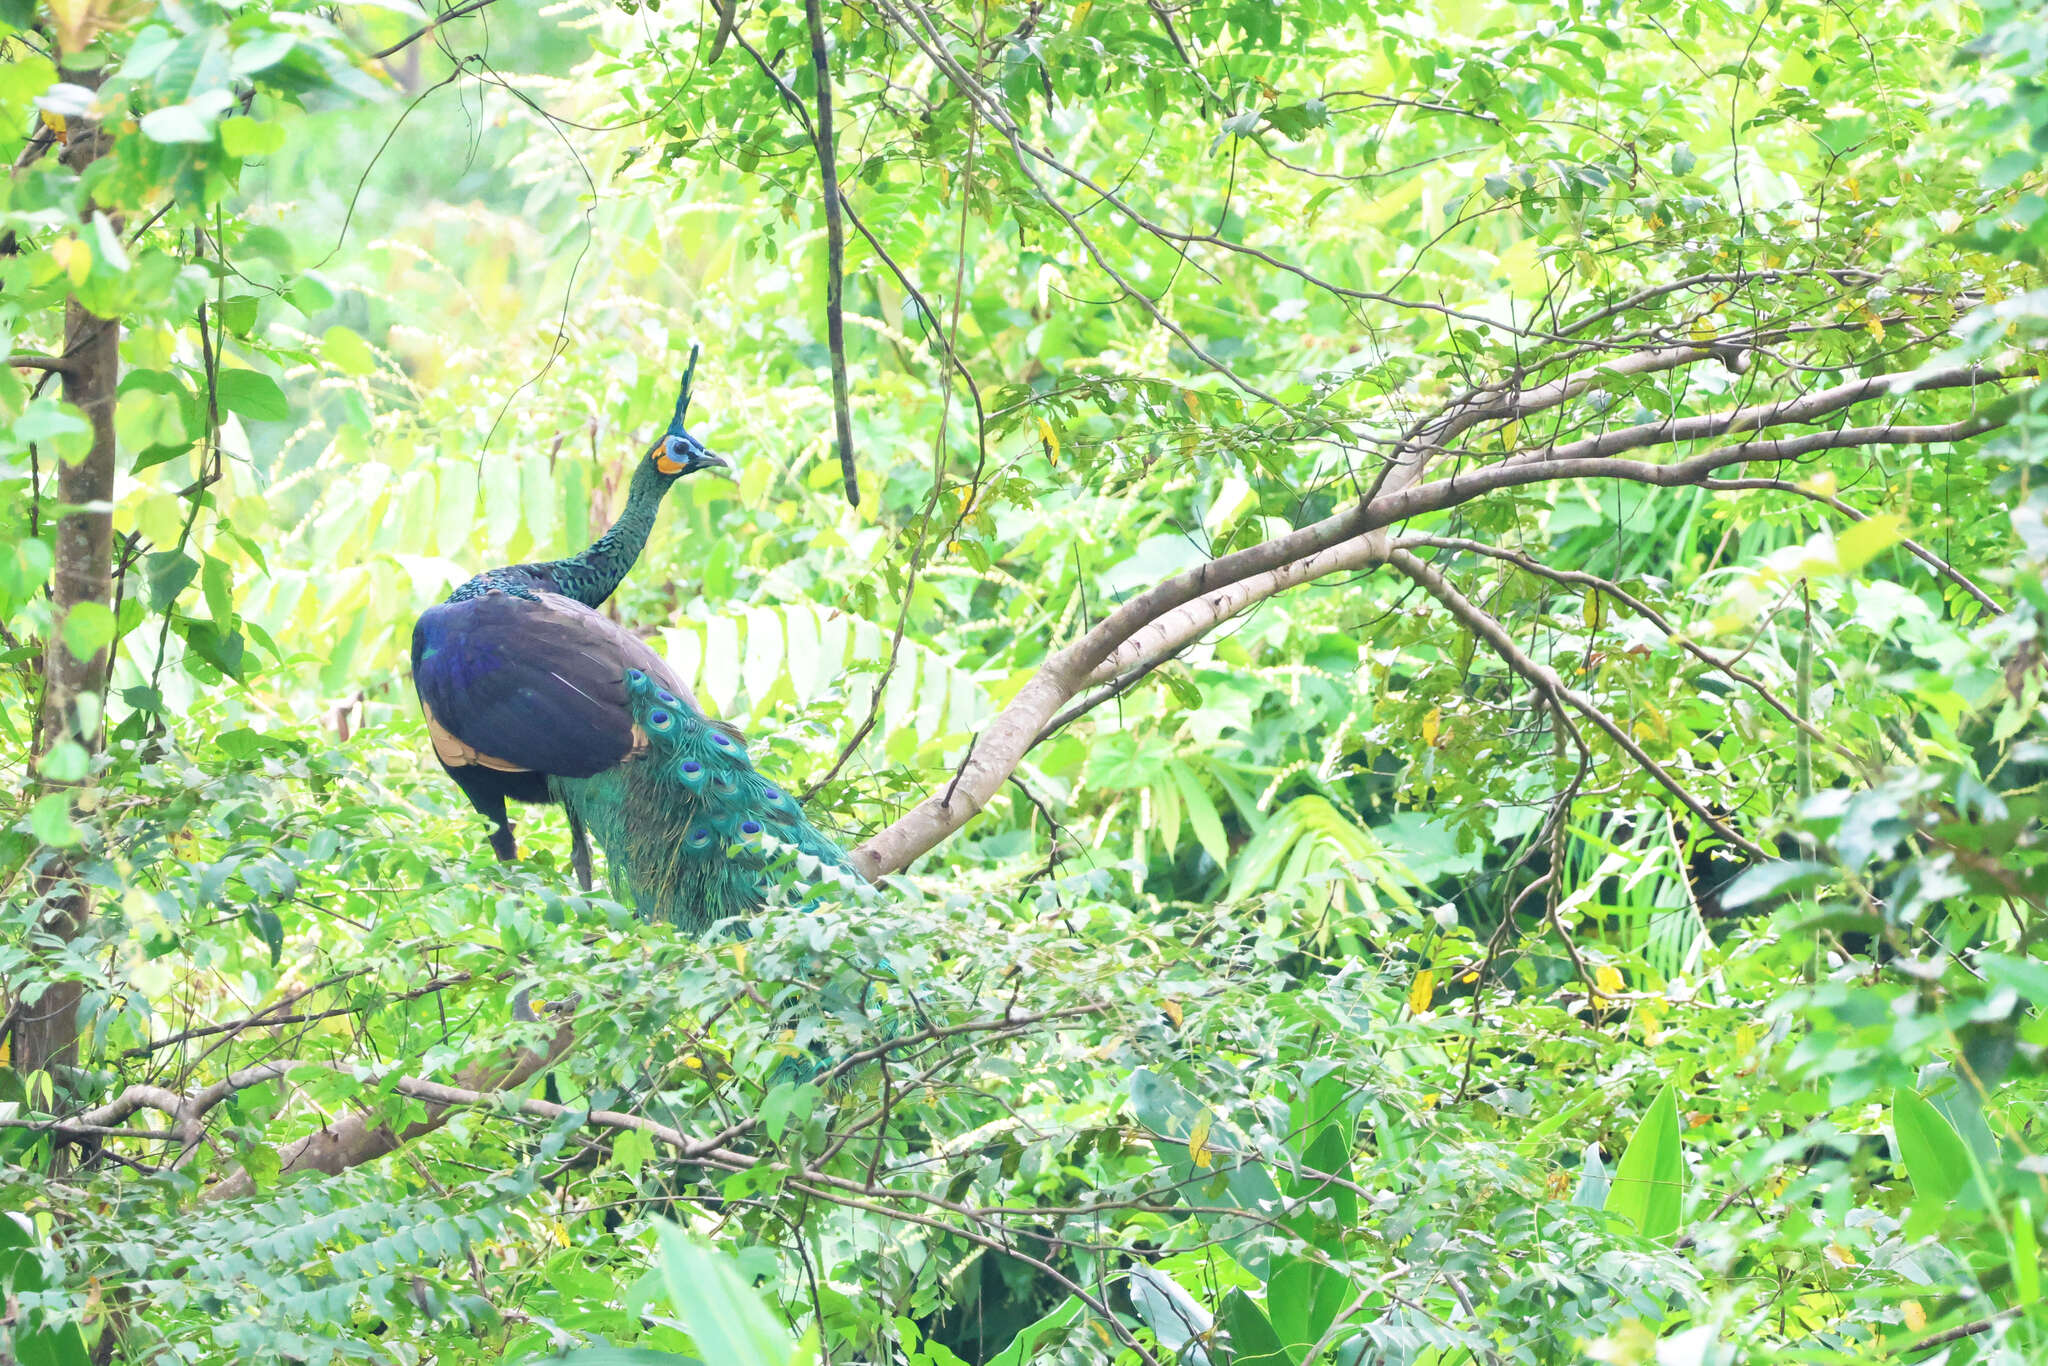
x: 1335, y: 990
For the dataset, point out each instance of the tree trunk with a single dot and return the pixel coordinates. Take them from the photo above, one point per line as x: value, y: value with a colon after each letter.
x: 46, y: 1030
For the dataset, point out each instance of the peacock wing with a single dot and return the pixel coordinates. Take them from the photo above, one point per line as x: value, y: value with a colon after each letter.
x: 530, y: 683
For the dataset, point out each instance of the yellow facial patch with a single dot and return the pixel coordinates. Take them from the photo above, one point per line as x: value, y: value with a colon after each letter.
x: 662, y: 462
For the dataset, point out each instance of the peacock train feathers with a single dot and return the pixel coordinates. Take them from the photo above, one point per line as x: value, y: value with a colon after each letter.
x: 531, y: 695
x: 685, y: 818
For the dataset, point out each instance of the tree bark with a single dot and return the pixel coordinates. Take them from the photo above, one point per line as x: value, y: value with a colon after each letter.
x: 46, y: 1030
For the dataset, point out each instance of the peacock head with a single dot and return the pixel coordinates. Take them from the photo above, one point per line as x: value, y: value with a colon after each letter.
x: 678, y: 452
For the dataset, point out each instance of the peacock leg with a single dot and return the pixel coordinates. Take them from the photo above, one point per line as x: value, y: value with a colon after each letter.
x: 579, y: 850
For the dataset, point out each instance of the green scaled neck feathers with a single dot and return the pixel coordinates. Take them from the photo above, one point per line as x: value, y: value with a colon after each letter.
x: 591, y: 576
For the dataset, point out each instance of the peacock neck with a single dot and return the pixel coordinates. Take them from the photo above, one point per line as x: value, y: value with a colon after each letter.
x: 591, y: 576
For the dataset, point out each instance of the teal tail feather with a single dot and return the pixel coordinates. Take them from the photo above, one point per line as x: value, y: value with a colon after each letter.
x: 689, y: 828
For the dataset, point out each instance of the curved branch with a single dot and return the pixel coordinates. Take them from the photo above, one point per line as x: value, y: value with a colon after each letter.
x: 1642, y: 609
x: 1483, y: 625
x: 1922, y: 553
x: 1274, y: 565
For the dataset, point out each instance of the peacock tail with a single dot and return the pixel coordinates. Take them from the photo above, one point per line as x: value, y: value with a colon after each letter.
x: 687, y: 825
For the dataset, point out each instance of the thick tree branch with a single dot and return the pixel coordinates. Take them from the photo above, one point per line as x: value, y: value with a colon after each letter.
x: 353, y: 1140
x: 1151, y: 619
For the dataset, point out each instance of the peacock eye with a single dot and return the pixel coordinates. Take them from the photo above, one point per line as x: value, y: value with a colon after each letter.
x: 773, y: 795
x: 635, y: 676
x: 664, y: 695
x: 658, y: 719
x: 700, y: 835
x: 721, y: 741
x: 750, y: 827
x: 692, y: 766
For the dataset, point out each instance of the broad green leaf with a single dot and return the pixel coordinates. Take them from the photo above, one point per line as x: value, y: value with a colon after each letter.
x: 721, y: 1312
x: 1202, y: 815
x: 346, y: 351
x: 1024, y: 1347
x: 252, y: 394
x: 50, y: 821
x: 1937, y: 1160
x: 1859, y: 543
x: 1649, y: 1181
x: 1252, y: 1338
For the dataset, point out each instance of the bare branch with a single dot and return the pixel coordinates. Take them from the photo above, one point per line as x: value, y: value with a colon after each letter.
x: 1484, y: 625
x: 461, y: 11
x: 351, y: 1141
x: 30, y: 360
x: 835, y: 251
x: 1642, y: 609
x: 1919, y: 551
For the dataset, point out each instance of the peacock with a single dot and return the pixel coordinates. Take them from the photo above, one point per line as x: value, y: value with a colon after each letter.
x: 531, y: 695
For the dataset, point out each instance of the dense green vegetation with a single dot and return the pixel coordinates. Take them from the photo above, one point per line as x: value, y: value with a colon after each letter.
x: 1428, y: 617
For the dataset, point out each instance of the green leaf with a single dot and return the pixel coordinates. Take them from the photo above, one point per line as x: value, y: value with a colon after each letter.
x: 21, y: 1270
x: 1202, y: 814
x: 1649, y: 1181
x: 1861, y: 542
x: 348, y: 352
x: 252, y: 394
x: 246, y: 137
x: 721, y: 1312
x: 170, y: 573
x: 1936, y: 1159
x: 177, y: 123
x: 67, y: 762
x: 217, y: 586
x: 88, y: 629
x: 2026, y: 1253
x: 223, y: 650
x: 1024, y: 1347
x: 50, y: 821
x: 1252, y: 1339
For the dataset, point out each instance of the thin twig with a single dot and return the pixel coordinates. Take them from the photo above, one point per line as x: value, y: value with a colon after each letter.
x: 835, y: 253
x: 459, y: 12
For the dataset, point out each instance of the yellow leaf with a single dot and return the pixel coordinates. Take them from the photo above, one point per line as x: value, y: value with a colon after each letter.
x: 739, y: 957
x: 1822, y: 483
x: 1422, y: 991
x: 693, y: 1062
x: 1051, y: 439
x: 1874, y: 325
x: 1858, y: 545
x: 1915, y: 1315
x: 1839, y: 1255
x: 1081, y: 12
x: 73, y: 257
x: 1432, y: 726
x: 1608, y: 981
x: 1595, y: 610
x: 1198, y: 1140
x: 1192, y: 399
x: 1172, y: 1009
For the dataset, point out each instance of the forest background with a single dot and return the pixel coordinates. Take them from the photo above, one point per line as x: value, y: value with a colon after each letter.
x: 1430, y: 614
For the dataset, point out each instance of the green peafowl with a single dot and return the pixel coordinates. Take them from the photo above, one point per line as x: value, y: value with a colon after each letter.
x: 531, y: 695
